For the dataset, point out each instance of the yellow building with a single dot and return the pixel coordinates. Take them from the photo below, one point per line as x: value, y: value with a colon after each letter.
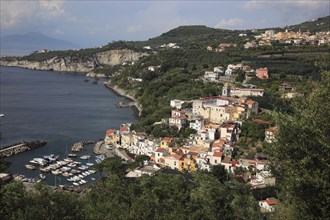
x: 112, y: 137
x: 188, y: 163
x: 166, y: 141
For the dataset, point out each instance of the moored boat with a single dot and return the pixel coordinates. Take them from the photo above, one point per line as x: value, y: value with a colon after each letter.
x: 56, y: 172
x: 85, y: 157
x: 42, y: 176
x: 30, y: 166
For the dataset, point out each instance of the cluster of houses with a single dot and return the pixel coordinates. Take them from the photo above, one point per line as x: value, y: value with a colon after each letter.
x: 215, y: 74
x: 289, y: 37
x: 217, y: 121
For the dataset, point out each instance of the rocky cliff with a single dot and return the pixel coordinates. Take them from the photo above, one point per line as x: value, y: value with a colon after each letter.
x: 76, y: 63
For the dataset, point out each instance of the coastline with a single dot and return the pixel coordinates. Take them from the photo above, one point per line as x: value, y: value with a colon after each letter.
x: 122, y: 93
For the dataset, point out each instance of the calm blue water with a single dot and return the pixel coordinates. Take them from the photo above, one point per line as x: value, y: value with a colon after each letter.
x: 57, y: 107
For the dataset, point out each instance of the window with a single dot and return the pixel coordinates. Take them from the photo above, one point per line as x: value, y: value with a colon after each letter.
x: 215, y: 161
x: 158, y: 154
x: 174, y: 163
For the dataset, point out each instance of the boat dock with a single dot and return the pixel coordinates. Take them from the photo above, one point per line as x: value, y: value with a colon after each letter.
x: 20, y: 147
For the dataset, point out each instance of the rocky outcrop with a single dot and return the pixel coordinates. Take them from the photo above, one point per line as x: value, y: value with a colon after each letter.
x: 76, y: 63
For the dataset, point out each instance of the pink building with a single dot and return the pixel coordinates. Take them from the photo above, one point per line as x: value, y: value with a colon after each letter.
x: 262, y: 73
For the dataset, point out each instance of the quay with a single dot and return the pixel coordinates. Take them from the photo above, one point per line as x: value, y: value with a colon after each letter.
x: 21, y: 147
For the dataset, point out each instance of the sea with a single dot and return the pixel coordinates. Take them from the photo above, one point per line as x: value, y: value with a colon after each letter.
x: 58, y: 107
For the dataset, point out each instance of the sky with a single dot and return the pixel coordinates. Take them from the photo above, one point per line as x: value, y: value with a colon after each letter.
x: 94, y: 23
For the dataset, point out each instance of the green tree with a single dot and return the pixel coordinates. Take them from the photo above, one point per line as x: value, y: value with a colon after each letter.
x: 301, y: 156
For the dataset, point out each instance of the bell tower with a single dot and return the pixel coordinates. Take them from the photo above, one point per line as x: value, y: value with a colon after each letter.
x: 226, y: 90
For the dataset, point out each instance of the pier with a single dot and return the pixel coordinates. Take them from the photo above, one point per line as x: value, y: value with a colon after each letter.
x: 20, y: 147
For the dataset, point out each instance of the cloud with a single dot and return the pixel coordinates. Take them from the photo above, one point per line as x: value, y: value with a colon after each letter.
x: 229, y: 23
x: 157, y: 18
x: 16, y: 14
x: 290, y: 10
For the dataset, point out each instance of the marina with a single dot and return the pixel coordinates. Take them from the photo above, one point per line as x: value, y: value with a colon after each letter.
x: 74, y: 173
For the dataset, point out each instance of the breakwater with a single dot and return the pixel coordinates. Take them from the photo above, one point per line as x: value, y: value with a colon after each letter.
x: 20, y: 147
x: 80, y: 145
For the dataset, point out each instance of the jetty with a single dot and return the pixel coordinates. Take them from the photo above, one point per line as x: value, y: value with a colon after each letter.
x: 20, y: 147
x: 80, y: 145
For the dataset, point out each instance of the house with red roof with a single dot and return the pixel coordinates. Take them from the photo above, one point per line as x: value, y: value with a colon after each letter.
x: 112, y: 137
x: 268, y: 205
x: 216, y: 158
x: 262, y: 73
x: 160, y: 153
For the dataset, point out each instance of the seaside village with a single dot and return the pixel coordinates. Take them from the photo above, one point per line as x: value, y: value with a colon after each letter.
x: 217, y: 121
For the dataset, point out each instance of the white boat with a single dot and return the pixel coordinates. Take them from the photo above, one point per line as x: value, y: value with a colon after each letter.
x: 51, y: 157
x: 42, y: 176
x: 89, y: 164
x: 30, y: 166
x: 76, y: 184
x: 93, y: 178
x: 85, y: 157
x: 68, y: 160
x: 2, y: 115
x: 56, y: 172
x: 83, y: 181
x: 39, y: 161
x: 66, y: 174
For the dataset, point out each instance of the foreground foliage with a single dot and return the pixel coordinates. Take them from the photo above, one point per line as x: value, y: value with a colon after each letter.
x: 301, y: 157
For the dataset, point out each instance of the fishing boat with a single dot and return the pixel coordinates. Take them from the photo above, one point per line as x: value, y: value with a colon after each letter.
x: 30, y: 166
x: 42, y: 176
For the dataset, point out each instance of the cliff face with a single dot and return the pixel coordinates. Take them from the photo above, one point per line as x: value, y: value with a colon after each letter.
x: 76, y: 63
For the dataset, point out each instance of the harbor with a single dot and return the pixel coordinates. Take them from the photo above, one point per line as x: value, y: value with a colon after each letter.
x: 62, y: 171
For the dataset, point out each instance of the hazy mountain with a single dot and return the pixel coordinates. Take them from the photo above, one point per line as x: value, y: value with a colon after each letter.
x: 18, y: 45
